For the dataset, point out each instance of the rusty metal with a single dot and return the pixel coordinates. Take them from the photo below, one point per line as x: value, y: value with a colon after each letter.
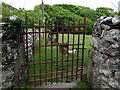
x: 83, y: 48
x: 45, y: 57
x: 53, y: 45
x: 51, y: 54
x: 66, y: 32
x: 47, y: 62
x: 53, y: 61
x: 72, y: 53
x: 39, y: 49
x: 51, y: 73
x: 62, y: 54
x: 33, y: 38
x: 68, y: 49
x: 26, y: 43
x: 82, y: 26
x: 78, y: 51
x: 37, y: 80
x: 57, y: 54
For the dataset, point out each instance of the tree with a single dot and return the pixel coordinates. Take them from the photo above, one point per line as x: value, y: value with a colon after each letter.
x: 55, y: 13
x: 79, y: 10
x: 104, y: 11
x: 86, y: 11
x: 7, y: 11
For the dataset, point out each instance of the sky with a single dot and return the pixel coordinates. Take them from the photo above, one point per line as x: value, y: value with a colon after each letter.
x: 29, y: 4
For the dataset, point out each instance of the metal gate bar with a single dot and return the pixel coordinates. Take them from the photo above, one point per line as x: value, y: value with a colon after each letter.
x: 62, y: 54
x: 83, y: 48
x: 56, y: 69
x: 78, y: 50
x: 30, y: 81
x: 57, y: 60
x: 39, y: 51
x: 68, y: 49
x: 73, y: 54
x: 51, y: 54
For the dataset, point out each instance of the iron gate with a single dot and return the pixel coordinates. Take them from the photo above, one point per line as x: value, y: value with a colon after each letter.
x: 54, y: 53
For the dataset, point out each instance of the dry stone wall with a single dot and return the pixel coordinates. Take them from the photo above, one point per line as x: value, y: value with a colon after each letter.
x: 105, y: 53
x: 13, y: 57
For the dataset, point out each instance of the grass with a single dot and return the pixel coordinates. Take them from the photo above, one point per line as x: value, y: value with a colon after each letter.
x: 83, y: 84
x: 40, y: 55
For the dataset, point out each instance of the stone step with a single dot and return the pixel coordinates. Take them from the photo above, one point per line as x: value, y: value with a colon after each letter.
x: 58, y: 85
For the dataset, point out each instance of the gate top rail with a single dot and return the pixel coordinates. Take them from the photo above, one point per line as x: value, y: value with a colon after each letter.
x: 82, y: 26
x: 65, y: 32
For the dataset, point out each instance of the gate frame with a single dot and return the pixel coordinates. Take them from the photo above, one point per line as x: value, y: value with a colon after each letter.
x: 25, y: 28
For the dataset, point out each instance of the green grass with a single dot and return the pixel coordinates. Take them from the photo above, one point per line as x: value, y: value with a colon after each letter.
x: 40, y: 54
x: 83, y: 84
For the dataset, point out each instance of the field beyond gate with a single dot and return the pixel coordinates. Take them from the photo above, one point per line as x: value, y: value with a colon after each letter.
x: 57, y: 52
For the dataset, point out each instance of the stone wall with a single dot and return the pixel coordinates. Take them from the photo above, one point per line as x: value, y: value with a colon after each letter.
x: 13, y: 73
x: 104, y: 64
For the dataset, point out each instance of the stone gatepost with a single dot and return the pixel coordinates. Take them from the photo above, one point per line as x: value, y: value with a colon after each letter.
x: 104, y: 71
x: 13, y: 59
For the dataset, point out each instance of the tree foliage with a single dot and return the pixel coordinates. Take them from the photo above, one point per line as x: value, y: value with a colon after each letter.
x: 79, y: 10
x: 6, y: 10
x: 104, y: 11
x: 59, y: 12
